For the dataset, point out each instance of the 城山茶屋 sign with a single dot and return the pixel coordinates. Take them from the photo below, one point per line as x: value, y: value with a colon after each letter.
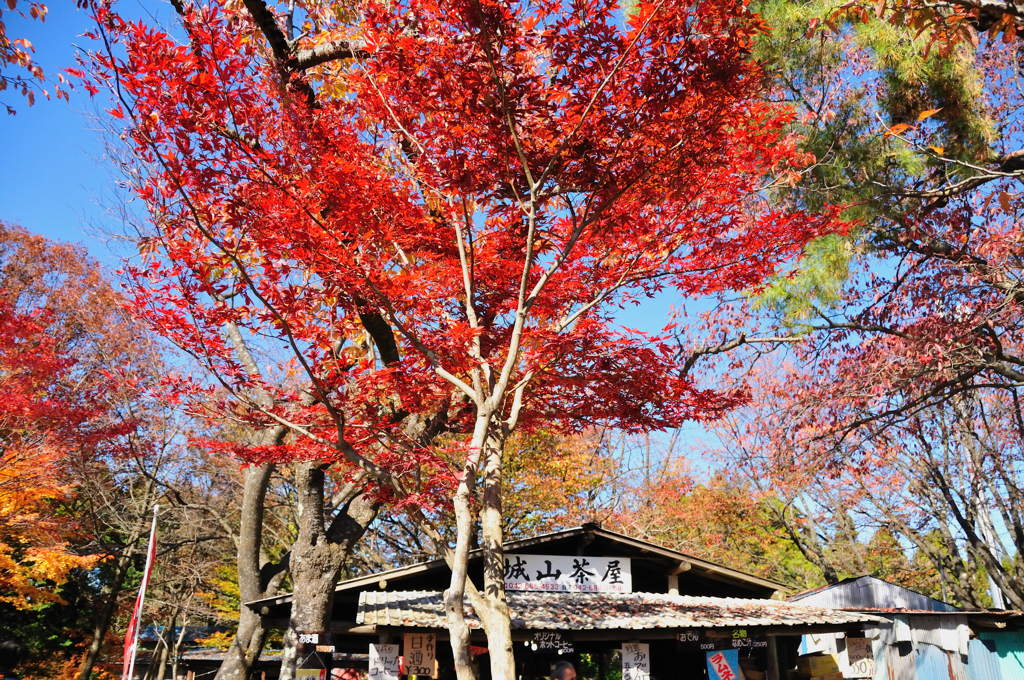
x: 567, y: 573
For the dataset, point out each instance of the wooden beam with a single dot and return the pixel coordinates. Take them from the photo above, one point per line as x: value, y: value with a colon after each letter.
x: 336, y: 626
x: 773, y: 671
x: 679, y: 568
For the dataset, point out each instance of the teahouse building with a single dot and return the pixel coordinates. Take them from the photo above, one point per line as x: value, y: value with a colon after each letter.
x: 585, y: 595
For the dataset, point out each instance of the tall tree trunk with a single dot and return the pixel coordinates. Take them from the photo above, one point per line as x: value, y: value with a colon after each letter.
x: 317, y: 557
x: 454, y: 597
x: 253, y: 583
x: 176, y: 652
x: 158, y: 664
x: 495, y: 617
x: 99, y: 630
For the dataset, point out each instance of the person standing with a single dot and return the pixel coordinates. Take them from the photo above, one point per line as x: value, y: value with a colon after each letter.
x: 563, y: 670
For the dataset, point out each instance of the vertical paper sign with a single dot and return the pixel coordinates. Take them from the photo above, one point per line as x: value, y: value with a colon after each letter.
x: 418, y: 652
x: 636, y: 661
x: 724, y: 665
x: 862, y: 660
x: 383, y: 662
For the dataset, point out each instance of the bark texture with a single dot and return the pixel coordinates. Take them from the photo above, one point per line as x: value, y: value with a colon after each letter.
x: 318, y: 555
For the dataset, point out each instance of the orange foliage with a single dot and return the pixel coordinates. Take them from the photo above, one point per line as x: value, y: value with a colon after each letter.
x: 56, y: 404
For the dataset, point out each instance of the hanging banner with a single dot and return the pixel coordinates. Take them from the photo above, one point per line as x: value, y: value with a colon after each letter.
x: 724, y: 665
x: 636, y: 661
x: 131, y: 638
x: 568, y: 574
x: 383, y: 662
x: 419, y: 654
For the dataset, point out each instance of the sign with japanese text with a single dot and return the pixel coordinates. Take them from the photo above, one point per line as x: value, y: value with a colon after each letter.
x: 724, y: 665
x: 636, y: 661
x: 383, y: 662
x: 311, y: 674
x: 567, y: 573
x: 862, y: 660
x: 712, y: 640
x: 552, y: 642
x: 418, y: 654
x: 315, y: 653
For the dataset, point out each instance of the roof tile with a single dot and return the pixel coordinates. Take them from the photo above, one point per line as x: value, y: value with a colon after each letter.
x: 576, y: 611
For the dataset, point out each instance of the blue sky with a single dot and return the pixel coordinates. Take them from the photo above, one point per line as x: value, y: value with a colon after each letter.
x: 51, y: 176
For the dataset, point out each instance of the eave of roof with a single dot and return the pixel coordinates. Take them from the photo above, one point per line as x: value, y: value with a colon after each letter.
x: 710, y: 569
x: 604, y: 611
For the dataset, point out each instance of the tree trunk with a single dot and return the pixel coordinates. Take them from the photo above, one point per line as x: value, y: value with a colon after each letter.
x: 495, y: 617
x: 107, y: 613
x: 454, y: 597
x: 251, y: 635
x: 176, y: 653
x: 158, y: 664
x: 317, y: 557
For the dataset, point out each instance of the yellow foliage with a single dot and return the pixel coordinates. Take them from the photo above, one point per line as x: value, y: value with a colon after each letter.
x: 33, y: 554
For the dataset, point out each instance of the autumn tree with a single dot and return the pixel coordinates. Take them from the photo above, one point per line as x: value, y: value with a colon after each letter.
x: 441, y: 249
x: 19, y: 72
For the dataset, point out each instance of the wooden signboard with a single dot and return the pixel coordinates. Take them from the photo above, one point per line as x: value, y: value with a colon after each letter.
x: 419, y: 654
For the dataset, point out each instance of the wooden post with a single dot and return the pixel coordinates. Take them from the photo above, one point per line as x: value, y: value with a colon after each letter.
x: 773, y: 672
x: 190, y: 675
x: 673, y: 576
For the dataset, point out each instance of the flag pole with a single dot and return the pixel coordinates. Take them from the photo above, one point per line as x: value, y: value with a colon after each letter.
x: 132, y: 637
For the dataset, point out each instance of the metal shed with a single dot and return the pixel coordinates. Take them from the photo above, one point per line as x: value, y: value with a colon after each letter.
x: 924, y: 638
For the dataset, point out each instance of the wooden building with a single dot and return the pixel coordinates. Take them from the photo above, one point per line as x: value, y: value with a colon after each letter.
x: 581, y: 595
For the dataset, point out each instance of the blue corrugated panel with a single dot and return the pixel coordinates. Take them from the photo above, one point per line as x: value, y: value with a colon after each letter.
x: 899, y: 659
x: 982, y: 661
x: 878, y: 648
x: 1010, y: 653
x: 932, y: 663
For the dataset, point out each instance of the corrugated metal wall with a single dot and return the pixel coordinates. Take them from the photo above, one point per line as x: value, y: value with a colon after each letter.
x: 899, y: 660
x: 868, y: 592
x: 1009, y: 652
x: 982, y: 661
x: 934, y: 663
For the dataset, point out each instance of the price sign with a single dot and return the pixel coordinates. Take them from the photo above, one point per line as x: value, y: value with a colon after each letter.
x: 862, y: 660
x: 714, y: 640
x: 419, y: 652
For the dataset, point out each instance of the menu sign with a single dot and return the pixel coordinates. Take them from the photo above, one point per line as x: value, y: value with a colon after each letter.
x: 734, y: 638
x: 419, y: 653
x: 636, y: 661
x: 862, y: 661
x: 568, y: 574
x: 383, y: 662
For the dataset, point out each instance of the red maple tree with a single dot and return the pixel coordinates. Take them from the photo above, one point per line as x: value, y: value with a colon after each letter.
x: 429, y: 218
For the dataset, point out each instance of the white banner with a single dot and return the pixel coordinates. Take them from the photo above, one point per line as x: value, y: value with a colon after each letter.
x: 566, y: 573
x: 636, y: 661
x: 383, y: 662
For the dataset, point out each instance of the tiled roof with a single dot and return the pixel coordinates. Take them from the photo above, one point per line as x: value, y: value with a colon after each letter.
x: 577, y: 611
